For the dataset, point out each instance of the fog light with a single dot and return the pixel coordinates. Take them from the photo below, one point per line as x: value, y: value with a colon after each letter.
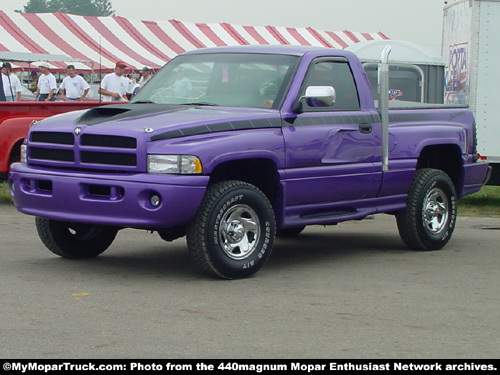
x: 155, y: 200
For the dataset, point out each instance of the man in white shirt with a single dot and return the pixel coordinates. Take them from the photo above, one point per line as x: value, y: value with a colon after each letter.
x: 73, y: 87
x: 114, y: 85
x: 46, y: 84
x: 11, y: 84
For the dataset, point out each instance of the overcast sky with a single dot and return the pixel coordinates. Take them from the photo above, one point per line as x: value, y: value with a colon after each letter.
x: 417, y: 21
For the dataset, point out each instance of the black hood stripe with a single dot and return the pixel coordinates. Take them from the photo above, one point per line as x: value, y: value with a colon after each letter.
x: 332, y: 120
x: 274, y: 122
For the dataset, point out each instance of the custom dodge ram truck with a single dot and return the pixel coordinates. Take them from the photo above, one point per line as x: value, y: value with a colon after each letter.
x: 232, y: 146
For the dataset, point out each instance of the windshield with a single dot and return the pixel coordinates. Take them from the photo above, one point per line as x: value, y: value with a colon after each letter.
x: 226, y: 79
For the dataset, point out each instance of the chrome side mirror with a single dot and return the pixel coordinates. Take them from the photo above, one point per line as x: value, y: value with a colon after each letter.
x: 320, y: 96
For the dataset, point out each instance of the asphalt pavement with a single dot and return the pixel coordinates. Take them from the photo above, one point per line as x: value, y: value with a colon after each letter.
x: 346, y: 291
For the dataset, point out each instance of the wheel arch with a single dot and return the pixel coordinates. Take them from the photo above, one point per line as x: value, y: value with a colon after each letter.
x: 13, y: 154
x: 447, y: 158
x: 260, y: 172
x: 15, y: 151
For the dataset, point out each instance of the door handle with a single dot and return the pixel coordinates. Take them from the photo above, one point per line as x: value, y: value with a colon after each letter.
x: 365, y: 128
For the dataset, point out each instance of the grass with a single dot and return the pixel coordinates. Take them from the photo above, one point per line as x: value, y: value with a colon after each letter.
x: 484, y: 203
x: 4, y: 192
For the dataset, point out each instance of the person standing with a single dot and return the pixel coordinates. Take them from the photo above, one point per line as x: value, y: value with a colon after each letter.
x: 73, y: 87
x: 34, y: 81
x: 2, y: 94
x: 11, y: 84
x: 145, y: 76
x: 114, y: 85
x: 46, y: 84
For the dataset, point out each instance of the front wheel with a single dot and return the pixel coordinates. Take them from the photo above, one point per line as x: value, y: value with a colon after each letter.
x: 233, y: 232
x: 74, y: 240
x: 429, y: 219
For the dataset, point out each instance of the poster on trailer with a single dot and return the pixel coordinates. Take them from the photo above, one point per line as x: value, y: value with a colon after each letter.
x: 456, y: 53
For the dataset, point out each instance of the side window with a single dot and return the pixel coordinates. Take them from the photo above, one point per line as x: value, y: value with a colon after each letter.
x: 337, y: 74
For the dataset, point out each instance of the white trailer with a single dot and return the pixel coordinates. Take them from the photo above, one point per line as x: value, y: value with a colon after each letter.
x: 471, y: 50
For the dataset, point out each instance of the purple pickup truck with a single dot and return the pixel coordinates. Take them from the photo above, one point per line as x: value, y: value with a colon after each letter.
x: 234, y: 146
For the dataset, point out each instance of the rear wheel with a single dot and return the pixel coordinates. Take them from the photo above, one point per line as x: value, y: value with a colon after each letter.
x: 233, y: 232
x: 74, y: 240
x: 429, y: 219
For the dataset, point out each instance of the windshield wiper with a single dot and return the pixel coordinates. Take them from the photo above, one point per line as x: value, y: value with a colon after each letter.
x: 143, y: 102
x: 200, y: 103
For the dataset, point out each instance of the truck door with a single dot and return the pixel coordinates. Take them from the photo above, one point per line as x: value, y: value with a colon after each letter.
x: 331, y: 151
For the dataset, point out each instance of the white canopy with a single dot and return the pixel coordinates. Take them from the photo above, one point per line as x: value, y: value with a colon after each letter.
x: 102, y: 41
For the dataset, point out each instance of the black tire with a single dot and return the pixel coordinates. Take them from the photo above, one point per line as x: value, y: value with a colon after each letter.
x: 429, y: 219
x: 290, y: 232
x: 74, y: 240
x: 233, y: 233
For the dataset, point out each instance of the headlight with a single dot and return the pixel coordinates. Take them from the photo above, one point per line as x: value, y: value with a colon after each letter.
x: 174, y: 164
x: 23, y: 153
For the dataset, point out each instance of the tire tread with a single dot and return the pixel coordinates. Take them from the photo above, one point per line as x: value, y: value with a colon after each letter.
x: 196, y: 230
x: 56, y: 240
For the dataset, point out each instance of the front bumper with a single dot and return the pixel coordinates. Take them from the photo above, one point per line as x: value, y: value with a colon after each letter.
x: 107, y: 199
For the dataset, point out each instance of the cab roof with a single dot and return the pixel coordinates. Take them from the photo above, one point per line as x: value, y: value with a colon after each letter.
x: 271, y: 49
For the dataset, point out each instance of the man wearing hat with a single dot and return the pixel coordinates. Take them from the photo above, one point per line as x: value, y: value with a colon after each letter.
x: 10, y: 84
x: 114, y: 85
x: 46, y: 84
x: 145, y: 76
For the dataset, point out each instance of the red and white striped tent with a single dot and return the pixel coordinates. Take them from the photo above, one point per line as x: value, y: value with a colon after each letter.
x: 101, y: 41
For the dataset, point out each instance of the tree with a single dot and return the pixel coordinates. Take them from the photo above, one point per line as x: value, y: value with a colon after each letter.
x: 36, y: 6
x: 78, y: 7
x: 104, y: 7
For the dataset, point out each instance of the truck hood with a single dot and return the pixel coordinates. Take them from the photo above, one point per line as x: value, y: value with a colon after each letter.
x: 118, y: 137
x: 157, y: 122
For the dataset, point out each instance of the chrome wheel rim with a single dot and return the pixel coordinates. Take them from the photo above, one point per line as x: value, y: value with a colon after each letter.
x: 435, y: 211
x: 239, y: 232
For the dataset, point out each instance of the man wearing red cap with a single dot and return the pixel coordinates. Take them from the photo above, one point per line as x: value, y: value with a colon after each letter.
x: 114, y: 85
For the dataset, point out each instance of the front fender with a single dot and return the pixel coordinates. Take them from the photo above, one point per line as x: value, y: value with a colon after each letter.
x: 214, y: 149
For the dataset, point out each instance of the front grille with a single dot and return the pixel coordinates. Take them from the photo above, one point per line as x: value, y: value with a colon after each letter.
x: 53, y: 137
x: 52, y: 154
x: 108, y: 141
x: 108, y: 158
x: 89, y: 151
